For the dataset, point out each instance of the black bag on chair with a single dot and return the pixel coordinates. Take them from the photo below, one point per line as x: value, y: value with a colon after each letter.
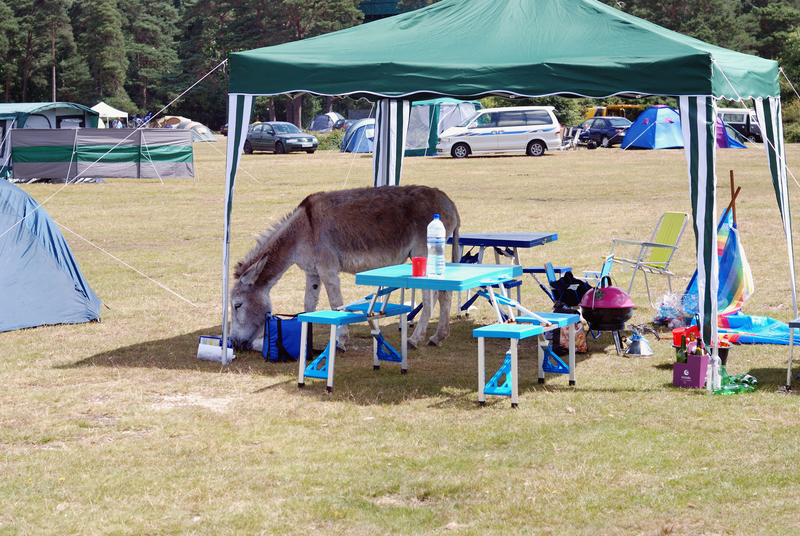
x: 569, y: 290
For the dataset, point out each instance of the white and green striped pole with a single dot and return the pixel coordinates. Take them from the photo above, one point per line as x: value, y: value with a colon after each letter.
x: 391, y: 126
x: 698, y: 117
x: 239, y: 108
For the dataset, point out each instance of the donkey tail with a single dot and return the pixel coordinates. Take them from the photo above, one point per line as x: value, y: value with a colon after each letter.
x: 455, y: 255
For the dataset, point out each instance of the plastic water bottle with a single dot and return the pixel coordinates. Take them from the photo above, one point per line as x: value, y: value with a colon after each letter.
x: 716, y: 377
x: 436, y: 239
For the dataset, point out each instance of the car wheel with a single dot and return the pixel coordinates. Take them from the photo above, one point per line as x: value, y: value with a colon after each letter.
x: 311, y: 151
x: 605, y: 142
x: 279, y: 149
x: 460, y: 150
x: 248, y: 149
x: 535, y: 148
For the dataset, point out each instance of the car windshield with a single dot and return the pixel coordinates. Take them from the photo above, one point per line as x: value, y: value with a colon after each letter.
x: 619, y: 122
x: 286, y: 128
x: 469, y: 119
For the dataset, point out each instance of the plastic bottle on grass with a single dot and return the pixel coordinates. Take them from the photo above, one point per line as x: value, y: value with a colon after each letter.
x: 716, y: 377
x: 436, y: 240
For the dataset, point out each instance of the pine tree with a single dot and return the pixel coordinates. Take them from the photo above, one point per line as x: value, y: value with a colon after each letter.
x: 150, y: 28
x: 99, y: 26
x: 8, y: 25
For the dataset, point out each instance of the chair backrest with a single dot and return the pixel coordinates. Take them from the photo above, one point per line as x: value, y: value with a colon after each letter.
x: 551, y: 274
x: 607, y: 264
x: 668, y: 231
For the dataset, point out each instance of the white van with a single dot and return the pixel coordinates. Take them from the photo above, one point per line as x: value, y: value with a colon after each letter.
x: 743, y: 121
x: 526, y: 129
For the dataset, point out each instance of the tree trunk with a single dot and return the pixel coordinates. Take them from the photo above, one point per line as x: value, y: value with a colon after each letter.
x: 328, y: 104
x: 298, y: 111
x: 272, y: 110
x: 53, y: 50
x: 289, y: 110
x: 26, y: 67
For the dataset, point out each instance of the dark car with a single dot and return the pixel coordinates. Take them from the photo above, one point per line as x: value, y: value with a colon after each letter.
x: 279, y: 137
x: 343, y: 124
x: 605, y: 131
x: 224, y: 129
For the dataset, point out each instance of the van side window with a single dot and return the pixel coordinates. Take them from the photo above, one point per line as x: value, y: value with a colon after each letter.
x: 538, y: 117
x: 511, y: 119
x: 487, y: 120
x: 734, y: 118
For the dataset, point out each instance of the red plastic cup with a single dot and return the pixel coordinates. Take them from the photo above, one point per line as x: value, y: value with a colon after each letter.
x: 419, y: 266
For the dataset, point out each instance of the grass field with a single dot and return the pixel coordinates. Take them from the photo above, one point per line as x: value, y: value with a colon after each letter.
x: 116, y: 428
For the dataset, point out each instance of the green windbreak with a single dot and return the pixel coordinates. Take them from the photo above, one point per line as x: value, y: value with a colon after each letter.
x: 470, y: 48
x: 59, y: 154
x: 102, y: 153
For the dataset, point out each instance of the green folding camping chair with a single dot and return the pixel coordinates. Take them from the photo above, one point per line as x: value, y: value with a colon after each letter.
x: 654, y: 255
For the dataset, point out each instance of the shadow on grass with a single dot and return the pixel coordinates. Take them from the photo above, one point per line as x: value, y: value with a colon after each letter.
x: 447, y: 374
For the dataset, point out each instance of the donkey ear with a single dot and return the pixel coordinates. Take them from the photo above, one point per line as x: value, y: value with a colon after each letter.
x: 250, y: 276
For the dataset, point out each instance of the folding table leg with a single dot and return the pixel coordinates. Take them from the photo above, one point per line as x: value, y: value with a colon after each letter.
x: 572, y: 354
x: 540, y: 345
x: 303, y: 336
x: 404, y: 343
x: 514, y: 375
x: 331, y: 358
x: 791, y: 348
x: 376, y: 364
x: 481, y: 371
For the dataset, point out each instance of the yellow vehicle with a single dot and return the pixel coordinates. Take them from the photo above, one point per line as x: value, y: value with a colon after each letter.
x: 630, y: 111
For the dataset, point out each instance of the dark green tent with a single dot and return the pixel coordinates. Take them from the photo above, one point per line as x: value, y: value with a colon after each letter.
x: 473, y: 48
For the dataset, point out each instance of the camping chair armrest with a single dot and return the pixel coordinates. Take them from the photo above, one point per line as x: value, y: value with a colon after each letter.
x: 641, y: 263
x: 623, y: 241
x: 643, y: 244
x: 657, y: 245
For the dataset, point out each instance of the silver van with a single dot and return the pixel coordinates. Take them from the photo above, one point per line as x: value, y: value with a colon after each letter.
x: 526, y: 129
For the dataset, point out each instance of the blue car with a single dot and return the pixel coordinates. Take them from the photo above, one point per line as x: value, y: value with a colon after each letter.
x: 604, y: 131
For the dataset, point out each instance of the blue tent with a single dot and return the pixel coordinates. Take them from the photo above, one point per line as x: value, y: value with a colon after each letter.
x: 658, y: 127
x: 40, y: 281
x: 359, y: 136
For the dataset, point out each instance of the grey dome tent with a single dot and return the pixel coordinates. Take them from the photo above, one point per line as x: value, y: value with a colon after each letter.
x: 646, y: 59
x: 40, y: 280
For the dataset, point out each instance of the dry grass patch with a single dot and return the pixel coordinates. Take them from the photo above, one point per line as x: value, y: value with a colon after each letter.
x: 116, y: 428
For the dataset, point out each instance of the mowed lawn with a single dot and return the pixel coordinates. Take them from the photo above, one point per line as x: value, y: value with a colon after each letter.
x: 116, y: 428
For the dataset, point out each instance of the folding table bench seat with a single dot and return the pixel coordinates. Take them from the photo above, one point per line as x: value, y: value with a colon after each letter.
x: 323, y: 365
x: 548, y: 360
x: 509, y: 369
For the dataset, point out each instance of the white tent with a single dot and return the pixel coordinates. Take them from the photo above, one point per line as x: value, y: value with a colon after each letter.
x: 107, y: 111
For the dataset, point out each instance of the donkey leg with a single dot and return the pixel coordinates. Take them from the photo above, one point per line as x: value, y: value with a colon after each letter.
x: 313, y: 286
x: 443, y: 330
x: 335, y: 298
x: 422, y: 323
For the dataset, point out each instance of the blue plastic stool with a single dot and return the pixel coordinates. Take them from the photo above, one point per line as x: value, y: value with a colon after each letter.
x: 322, y: 366
x: 548, y: 360
x: 509, y: 369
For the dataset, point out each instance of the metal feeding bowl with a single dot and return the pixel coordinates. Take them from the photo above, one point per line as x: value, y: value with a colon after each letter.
x: 606, y: 308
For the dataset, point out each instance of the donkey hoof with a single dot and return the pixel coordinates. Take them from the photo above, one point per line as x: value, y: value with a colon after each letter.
x: 411, y: 345
x: 433, y: 342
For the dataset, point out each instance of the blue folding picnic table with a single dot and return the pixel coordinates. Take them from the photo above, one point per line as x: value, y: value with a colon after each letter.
x: 503, y: 242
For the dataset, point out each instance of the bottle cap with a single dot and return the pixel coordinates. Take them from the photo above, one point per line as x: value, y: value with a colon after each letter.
x: 435, y: 216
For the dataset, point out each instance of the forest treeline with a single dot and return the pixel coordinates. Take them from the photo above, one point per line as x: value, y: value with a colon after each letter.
x: 140, y: 55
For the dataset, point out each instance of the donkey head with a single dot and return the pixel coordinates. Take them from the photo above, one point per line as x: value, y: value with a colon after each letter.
x: 250, y: 304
